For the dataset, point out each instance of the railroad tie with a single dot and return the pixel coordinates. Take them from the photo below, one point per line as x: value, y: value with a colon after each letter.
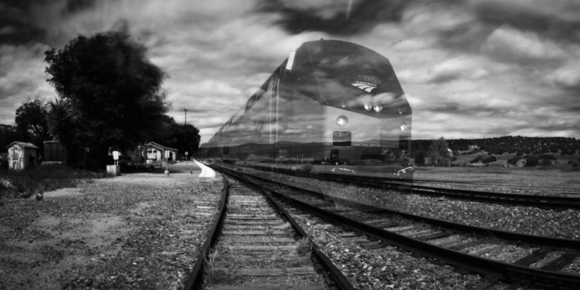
x: 271, y: 287
x: 561, y: 262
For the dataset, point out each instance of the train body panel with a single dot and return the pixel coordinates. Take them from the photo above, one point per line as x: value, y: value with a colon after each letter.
x: 339, y: 104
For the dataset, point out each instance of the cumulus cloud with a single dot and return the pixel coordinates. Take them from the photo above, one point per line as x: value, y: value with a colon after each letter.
x: 567, y: 77
x: 556, y: 19
x: 344, y: 17
x: 468, y: 68
x: 448, y: 70
x: 511, y: 45
x: 21, y: 77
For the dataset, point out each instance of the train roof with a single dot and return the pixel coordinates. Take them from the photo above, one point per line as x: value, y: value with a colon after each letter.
x: 343, y: 74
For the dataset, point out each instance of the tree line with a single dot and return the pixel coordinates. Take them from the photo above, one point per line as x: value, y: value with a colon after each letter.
x: 533, y: 150
x: 109, y: 96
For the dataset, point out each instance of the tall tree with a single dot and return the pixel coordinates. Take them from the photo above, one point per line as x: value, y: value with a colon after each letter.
x: 110, y: 94
x: 31, y: 120
x: 438, y: 152
x: 183, y: 137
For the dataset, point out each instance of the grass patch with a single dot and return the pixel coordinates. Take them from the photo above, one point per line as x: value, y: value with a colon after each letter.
x: 40, y: 179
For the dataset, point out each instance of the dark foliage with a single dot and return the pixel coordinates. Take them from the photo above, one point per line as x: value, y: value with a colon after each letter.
x: 420, y: 158
x: 307, y: 168
x: 109, y: 95
x: 545, y: 162
x: 547, y: 157
x: 32, y: 123
x: 31, y: 119
x: 183, y: 137
x: 477, y: 159
x: 489, y: 159
x: 3, y: 164
x: 438, y: 152
x: 514, y: 160
x: 500, y: 145
x: 532, y: 160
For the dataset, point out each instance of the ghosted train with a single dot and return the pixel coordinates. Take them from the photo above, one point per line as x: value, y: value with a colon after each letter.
x: 333, y: 104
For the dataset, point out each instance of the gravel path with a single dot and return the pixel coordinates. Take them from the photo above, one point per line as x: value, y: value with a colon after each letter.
x: 135, y: 231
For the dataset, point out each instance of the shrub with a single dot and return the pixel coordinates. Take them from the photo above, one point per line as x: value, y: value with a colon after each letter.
x: 514, y: 160
x: 489, y: 159
x: 547, y: 157
x: 477, y: 159
x: 3, y: 164
x: 420, y: 158
x: 545, y: 162
x: 43, y: 178
x: 519, y: 153
x: 444, y: 162
x: 532, y: 160
x: 306, y: 168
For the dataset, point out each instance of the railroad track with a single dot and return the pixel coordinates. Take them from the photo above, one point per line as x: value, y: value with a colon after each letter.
x: 550, y: 202
x: 499, y: 256
x: 255, y: 244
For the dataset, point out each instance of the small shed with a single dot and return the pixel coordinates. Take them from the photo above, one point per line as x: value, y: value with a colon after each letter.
x: 158, y: 152
x: 21, y: 155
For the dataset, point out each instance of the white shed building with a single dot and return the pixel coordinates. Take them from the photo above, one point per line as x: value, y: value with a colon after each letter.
x: 21, y: 155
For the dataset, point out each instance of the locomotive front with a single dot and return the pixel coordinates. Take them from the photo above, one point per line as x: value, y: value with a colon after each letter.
x: 332, y: 104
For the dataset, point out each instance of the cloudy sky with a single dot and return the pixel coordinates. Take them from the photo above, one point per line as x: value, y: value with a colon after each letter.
x: 470, y: 69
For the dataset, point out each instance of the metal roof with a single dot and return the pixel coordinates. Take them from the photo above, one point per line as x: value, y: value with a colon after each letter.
x: 159, y: 146
x: 22, y: 144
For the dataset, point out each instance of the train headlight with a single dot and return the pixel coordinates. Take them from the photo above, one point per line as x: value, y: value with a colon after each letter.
x: 378, y: 108
x: 341, y: 121
x: 404, y: 127
x: 368, y: 106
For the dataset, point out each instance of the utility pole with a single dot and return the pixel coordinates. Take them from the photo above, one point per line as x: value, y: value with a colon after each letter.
x: 185, y: 111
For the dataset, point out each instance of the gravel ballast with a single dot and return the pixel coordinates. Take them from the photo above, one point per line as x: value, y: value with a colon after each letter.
x: 135, y: 231
x: 525, y: 220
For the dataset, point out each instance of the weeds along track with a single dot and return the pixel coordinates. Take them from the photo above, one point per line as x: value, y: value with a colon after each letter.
x: 541, y: 201
x: 255, y: 246
x: 498, y: 257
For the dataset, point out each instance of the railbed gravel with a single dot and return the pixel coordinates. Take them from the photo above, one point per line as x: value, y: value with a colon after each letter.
x: 385, y: 268
x: 524, y: 220
x: 136, y: 231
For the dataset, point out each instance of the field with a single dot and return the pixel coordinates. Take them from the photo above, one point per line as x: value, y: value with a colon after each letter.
x: 504, y: 179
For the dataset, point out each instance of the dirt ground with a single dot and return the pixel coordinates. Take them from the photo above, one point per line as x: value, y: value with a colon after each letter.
x: 134, y: 231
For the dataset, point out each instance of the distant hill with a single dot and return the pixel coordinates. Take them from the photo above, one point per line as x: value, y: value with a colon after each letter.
x: 509, y: 144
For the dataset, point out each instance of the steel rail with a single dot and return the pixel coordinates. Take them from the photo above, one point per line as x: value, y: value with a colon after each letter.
x: 554, y: 202
x: 507, y: 272
x: 502, y: 271
x: 470, y: 193
x: 196, y: 278
x: 339, y: 280
x: 505, y: 235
